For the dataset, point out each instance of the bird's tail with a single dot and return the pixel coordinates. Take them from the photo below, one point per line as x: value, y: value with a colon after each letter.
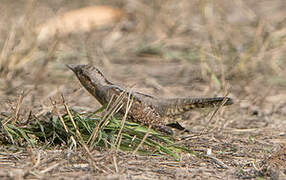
x: 177, y: 106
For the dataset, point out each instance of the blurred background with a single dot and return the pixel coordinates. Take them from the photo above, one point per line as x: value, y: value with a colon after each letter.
x: 166, y: 48
x: 200, y: 48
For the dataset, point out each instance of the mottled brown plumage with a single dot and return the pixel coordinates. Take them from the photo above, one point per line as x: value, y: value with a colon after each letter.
x: 145, y: 109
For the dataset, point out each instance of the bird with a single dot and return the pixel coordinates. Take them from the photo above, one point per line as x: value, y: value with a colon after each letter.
x: 146, y: 109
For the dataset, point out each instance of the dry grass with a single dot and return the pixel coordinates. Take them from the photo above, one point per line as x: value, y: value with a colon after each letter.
x: 177, y: 48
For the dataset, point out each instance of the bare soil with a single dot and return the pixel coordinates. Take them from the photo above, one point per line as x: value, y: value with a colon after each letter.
x: 177, y: 49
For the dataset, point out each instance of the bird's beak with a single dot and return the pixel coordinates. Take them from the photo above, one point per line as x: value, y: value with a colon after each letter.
x: 71, y: 67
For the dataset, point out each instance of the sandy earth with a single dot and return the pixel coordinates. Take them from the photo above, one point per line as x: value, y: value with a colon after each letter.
x: 246, y: 140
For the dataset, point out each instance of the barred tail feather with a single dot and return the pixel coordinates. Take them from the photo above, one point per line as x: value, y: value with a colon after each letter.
x: 180, y: 105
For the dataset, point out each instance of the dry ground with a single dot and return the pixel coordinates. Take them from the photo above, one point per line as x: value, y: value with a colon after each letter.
x: 177, y: 48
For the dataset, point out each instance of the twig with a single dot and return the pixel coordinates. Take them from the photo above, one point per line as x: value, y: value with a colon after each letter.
x: 143, y: 140
x: 114, y: 107
x: 214, y: 113
x: 71, y: 118
x: 115, y: 163
x: 217, y: 161
x: 52, y: 167
x: 59, y: 115
x: 17, y: 110
x: 79, y: 136
x: 19, y: 103
x: 128, y: 106
x: 94, y: 132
